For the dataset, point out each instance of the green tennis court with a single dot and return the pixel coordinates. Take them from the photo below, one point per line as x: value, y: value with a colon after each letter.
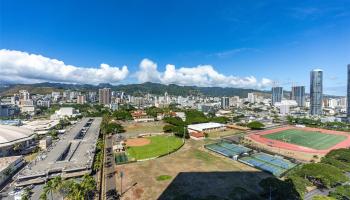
x: 311, y: 139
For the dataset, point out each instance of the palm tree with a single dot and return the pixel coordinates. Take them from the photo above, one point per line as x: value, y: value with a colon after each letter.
x: 57, y: 184
x: 26, y: 194
x: 76, y: 192
x: 48, y: 188
x: 67, y: 189
x: 88, y: 185
x: 43, y: 196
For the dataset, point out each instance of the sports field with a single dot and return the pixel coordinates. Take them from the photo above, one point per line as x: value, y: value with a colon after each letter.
x: 159, y: 145
x: 192, y: 172
x: 311, y: 139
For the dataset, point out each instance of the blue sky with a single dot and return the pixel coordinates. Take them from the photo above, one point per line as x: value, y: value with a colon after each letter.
x: 276, y: 40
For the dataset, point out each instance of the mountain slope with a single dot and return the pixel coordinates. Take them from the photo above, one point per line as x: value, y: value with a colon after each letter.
x: 134, y: 89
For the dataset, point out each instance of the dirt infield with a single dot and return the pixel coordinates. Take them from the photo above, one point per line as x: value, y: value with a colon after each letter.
x: 136, y: 142
x: 257, y: 137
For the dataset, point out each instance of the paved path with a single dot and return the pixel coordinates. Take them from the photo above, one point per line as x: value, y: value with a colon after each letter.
x: 109, y: 186
x: 310, y: 195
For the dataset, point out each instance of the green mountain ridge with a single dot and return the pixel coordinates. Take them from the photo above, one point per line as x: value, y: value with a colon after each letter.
x: 134, y: 89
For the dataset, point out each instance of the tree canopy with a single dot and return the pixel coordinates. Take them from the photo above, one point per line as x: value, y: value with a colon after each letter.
x: 280, y: 190
x: 341, y: 192
x: 255, y: 125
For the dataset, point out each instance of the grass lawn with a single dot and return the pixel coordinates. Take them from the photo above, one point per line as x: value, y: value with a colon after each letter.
x: 30, y: 157
x: 159, y: 145
x: 311, y: 139
x: 163, y: 177
x: 191, y: 172
x: 218, y: 134
x: 146, y: 127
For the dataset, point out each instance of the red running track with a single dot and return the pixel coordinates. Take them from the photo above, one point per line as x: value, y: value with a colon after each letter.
x: 257, y: 136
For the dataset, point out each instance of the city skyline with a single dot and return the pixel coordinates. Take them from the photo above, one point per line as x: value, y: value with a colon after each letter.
x: 240, y: 51
x: 120, y: 100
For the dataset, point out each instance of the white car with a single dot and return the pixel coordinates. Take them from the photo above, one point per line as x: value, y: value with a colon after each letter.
x: 14, y: 191
x: 18, y: 195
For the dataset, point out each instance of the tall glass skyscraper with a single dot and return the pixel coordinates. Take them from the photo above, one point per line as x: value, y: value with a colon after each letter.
x: 298, y: 94
x: 348, y: 94
x: 225, y: 102
x: 316, y: 88
x: 277, y: 94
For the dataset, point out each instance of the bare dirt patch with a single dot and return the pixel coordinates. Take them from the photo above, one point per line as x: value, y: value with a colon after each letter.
x: 193, y: 171
x: 137, y: 142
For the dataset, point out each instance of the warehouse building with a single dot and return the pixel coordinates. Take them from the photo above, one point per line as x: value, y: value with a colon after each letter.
x: 206, y: 127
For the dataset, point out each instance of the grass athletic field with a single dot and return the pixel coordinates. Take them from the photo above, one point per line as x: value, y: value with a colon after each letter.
x: 311, y: 139
x: 191, y: 172
x: 159, y: 145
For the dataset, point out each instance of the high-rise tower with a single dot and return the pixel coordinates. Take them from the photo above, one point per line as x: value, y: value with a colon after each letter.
x: 316, y: 89
x: 298, y: 94
x: 104, y: 96
x: 348, y: 94
x: 277, y: 94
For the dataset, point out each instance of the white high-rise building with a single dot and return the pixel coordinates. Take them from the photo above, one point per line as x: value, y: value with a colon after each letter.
x: 251, y: 97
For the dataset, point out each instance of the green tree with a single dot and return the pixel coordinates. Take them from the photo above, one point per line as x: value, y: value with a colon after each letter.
x: 319, y: 197
x: 339, y: 158
x: 195, y: 117
x: 326, y: 174
x: 255, y: 125
x: 48, y: 188
x: 341, y: 192
x: 26, y: 195
x: 153, y: 111
x: 88, y: 185
x: 222, y: 120
x: 122, y: 115
x: 53, y: 134
x: 279, y: 190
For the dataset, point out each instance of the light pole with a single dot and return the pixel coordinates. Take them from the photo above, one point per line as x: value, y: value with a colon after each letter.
x: 184, y: 134
x: 168, y: 144
x: 121, y: 183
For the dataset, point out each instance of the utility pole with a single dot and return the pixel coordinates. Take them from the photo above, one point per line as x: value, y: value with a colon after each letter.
x: 121, y: 183
x: 184, y: 133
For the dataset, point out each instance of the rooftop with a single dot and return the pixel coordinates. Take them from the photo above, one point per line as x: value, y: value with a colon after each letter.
x: 6, y: 161
x: 38, y: 125
x: 13, y: 133
x: 203, y: 126
x: 73, y: 152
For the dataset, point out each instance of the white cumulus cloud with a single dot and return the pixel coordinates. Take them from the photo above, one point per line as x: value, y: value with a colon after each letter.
x: 201, y: 75
x: 148, y: 71
x: 22, y: 67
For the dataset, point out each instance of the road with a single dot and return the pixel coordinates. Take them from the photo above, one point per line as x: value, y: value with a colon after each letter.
x: 310, y: 195
x: 109, y: 182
